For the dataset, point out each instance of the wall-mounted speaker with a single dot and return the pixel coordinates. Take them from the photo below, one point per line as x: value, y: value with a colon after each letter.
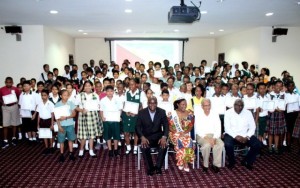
x: 280, y: 31
x: 13, y: 29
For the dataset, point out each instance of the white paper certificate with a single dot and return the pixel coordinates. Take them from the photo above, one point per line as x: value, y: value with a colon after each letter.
x: 55, y: 127
x: 280, y: 104
x: 292, y: 107
x: 45, y: 133
x: 11, y: 98
x: 131, y: 107
x: 91, y: 105
x: 250, y: 103
x: 62, y: 111
x: 112, y: 115
x: 268, y: 105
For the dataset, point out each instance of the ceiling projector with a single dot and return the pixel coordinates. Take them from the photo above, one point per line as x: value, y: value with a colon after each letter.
x: 184, y: 14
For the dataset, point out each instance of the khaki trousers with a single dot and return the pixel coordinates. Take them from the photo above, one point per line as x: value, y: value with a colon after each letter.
x: 206, y: 148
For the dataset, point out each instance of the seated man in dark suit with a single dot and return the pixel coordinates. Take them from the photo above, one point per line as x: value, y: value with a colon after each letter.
x: 152, y: 128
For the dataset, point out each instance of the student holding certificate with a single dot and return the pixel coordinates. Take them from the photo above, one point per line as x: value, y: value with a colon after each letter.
x: 89, y: 122
x: 233, y: 96
x: 277, y: 124
x: 250, y: 98
x: 292, y: 100
x: 45, y: 121
x: 110, y: 111
x: 10, y: 111
x: 134, y: 99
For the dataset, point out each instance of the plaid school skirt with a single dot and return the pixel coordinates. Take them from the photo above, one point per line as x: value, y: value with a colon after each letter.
x: 296, y: 131
x: 89, y: 125
x: 276, y: 123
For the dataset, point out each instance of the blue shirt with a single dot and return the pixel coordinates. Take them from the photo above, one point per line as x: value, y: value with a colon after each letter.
x: 70, y: 121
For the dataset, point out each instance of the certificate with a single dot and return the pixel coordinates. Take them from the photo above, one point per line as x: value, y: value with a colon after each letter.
x: 45, y: 133
x: 91, y: 105
x: 112, y: 115
x: 292, y: 107
x: 250, y: 103
x: 62, y: 111
x: 268, y: 105
x: 55, y: 127
x: 131, y: 107
x: 158, y: 74
x: 11, y: 98
x: 280, y: 104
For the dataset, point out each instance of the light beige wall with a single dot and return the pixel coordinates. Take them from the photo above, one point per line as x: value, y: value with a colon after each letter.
x: 57, y: 46
x: 91, y: 48
x: 24, y: 58
x: 197, y: 49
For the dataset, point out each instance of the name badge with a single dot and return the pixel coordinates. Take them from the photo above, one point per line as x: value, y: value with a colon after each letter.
x: 137, y: 97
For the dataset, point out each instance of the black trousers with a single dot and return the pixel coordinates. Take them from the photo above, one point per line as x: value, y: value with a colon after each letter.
x: 146, y: 152
x: 253, y: 143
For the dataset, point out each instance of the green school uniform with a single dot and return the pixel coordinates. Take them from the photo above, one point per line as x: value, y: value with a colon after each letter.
x: 129, y: 122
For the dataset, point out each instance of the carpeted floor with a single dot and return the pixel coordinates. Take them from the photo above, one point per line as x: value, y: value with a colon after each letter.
x: 25, y: 166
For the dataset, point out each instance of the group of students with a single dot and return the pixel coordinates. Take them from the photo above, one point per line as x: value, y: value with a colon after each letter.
x: 103, y: 102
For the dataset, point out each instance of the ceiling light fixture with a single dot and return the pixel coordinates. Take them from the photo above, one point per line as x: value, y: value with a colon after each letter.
x: 80, y: 30
x: 128, y: 0
x: 221, y: 30
x: 53, y: 11
x: 204, y: 12
x: 176, y: 30
x: 128, y: 30
x: 128, y: 11
x: 298, y: 2
x: 212, y: 33
x: 84, y: 33
x: 269, y: 14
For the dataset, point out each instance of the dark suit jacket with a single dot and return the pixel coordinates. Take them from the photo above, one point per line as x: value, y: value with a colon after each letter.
x: 152, y: 130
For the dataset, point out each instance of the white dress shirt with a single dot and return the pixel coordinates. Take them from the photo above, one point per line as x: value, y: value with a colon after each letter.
x: 45, y: 109
x: 207, y: 124
x: 239, y: 124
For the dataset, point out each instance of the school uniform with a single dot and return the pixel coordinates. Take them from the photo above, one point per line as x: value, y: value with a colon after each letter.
x: 277, y: 123
x: 89, y: 124
x: 111, y: 125
x: 230, y: 99
x: 250, y: 106
x: 292, y: 110
x: 45, y: 111
x: 174, y: 93
x: 178, y: 83
x: 263, y: 115
x: 218, y: 104
x: 166, y: 105
x: 28, y: 104
x: 245, y: 72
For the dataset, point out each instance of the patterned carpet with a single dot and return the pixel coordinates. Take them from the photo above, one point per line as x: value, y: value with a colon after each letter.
x: 25, y: 166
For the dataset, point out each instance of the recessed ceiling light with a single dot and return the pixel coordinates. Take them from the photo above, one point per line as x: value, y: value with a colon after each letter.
x: 298, y: 2
x: 128, y: 0
x: 176, y: 30
x: 204, y: 12
x: 53, y: 11
x: 269, y: 14
x: 221, y: 30
x: 128, y: 11
x: 128, y: 30
x: 84, y: 33
x: 220, y: 1
x: 80, y: 30
x: 212, y: 33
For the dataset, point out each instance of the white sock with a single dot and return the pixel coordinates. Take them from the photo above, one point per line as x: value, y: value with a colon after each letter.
x: 92, y: 152
x: 30, y: 139
x: 128, y: 147
x: 98, y: 140
x: 80, y: 152
x: 34, y: 138
x: 5, y: 140
x: 20, y: 135
x: 26, y: 135
x: 135, y: 148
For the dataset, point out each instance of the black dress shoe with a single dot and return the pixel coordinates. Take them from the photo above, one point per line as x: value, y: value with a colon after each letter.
x: 247, y: 165
x: 71, y: 156
x: 61, y: 158
x: 116, y: 153
x: 204, y: 169
x: 110, y: 153
x: 215, y: 169
x: 150, y: 172
x: 158, y: 171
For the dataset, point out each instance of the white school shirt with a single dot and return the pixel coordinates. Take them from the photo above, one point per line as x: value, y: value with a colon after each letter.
x: 239, y: 124
x: 45, y: 109
x: 143, y: 98
x: 230, y: 99
x: 109, y: 107
x: 210, y: 124
x: 121, y: 98
x: 259, y: 104
x: 292, y: 101
x: 275, y: 97
x: 91, y: 96
x: 209, y: 91
x: 166, y: 105
x: 174, y: 93
x: 55, y: 99
x: 218, y: 104
x: 247, y: 105
x: 156, y: 89
x: 27, y: 103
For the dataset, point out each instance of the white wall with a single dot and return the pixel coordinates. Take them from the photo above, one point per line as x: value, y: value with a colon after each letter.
x: 91, y: 48
x: 22, y: 59
x: 197, y: 49
x: 256, y: 47
x: 57, y: 46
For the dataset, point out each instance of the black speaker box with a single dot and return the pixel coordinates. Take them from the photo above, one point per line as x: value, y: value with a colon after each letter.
x: 13, y: 29
x: 280, y: 31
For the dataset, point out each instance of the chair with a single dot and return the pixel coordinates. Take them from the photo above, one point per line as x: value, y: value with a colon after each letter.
x: 238, y: 148
x: 154, y: 151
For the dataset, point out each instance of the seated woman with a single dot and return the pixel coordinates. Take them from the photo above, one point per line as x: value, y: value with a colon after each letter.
x: 180, y: 125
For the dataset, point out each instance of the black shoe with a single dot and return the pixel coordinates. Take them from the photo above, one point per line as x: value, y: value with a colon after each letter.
x: 230, y: 166
x: 116, y: 153
x: 46, y: 151
x: 110, y: 153
x: 61, y: 158
x: 215, y: 169
x: 71, y: 156
x: 4, y: 145
x: 158, y: 171
x: 204, y: 169
x: 14, y: 141
x: 51, y: 150
x: 150, y: 172
x: 248, y: 166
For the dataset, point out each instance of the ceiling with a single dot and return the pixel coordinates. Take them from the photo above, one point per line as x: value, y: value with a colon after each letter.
x: 106, y: 18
